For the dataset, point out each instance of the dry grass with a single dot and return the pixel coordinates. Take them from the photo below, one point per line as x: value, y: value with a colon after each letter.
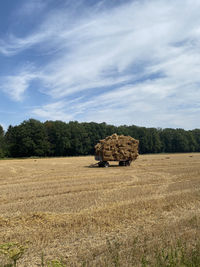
x: 69, y: 210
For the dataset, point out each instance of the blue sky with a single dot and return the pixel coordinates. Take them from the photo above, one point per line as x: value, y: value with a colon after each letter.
x: 114, y: 61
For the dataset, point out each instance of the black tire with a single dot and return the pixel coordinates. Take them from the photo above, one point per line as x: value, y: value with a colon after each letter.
x: 125, y: 163
x: 100, y: 164
x: 128, y: 163
x: 104, y: 164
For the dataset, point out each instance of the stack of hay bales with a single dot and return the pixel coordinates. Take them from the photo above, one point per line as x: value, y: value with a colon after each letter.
x: 117, y: 148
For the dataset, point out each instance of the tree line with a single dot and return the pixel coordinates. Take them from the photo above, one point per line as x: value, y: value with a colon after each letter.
x: 57, y: 138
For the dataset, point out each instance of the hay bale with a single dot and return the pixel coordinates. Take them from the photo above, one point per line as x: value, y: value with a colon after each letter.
x: 117, y: 148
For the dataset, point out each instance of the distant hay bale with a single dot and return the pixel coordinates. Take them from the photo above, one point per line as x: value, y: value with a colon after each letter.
x: 117, y: 148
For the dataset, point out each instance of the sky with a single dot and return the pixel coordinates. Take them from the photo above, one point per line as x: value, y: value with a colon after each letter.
x: 120, y: 62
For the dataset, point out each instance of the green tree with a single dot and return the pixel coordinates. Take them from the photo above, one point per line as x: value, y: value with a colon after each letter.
x: 192, y: 141
x: 80, y: 141
x: 27, y: 139
x: 180, y: 142
x: 57, y: 138
x: 58, y: 133
x: 166, y: 137
x: 2, y: 145
x: 144, y: 141
x: 94, y: 134
x: 196, y: 135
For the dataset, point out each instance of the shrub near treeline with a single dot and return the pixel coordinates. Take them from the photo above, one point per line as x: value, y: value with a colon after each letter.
x: 57, y: 138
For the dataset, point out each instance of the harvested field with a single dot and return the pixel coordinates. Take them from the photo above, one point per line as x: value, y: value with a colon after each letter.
x: 66, y: 209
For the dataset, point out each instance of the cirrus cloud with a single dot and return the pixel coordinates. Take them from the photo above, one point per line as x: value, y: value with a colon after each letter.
x: 134, y: 63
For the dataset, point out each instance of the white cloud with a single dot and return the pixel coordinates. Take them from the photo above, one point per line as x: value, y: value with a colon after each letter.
x: 152, y: 46
x: 55, y: 111
x: 16, y: 85
x: 4, y: 126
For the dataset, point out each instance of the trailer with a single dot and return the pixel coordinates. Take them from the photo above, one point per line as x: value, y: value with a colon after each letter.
x: 123, y: 149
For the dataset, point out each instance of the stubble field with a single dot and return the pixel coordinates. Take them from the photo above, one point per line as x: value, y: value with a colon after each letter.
x: 66, y: 209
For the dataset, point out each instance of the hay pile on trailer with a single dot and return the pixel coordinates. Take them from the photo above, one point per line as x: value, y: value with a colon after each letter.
x: 117, y: 148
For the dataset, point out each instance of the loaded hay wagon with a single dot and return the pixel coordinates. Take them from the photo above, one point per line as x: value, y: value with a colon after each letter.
x: 116, y: 148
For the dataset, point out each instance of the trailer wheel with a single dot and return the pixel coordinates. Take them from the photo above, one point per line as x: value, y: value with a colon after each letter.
x: 104, y: 164
x: 128, y: 162
x: 125, y: 163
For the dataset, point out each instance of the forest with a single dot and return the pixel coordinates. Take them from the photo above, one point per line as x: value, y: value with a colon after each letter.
x: 57, y: 138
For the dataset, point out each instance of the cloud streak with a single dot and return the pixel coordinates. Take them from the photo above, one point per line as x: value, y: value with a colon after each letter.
x: 15, y: 86
x: 124, y: 64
